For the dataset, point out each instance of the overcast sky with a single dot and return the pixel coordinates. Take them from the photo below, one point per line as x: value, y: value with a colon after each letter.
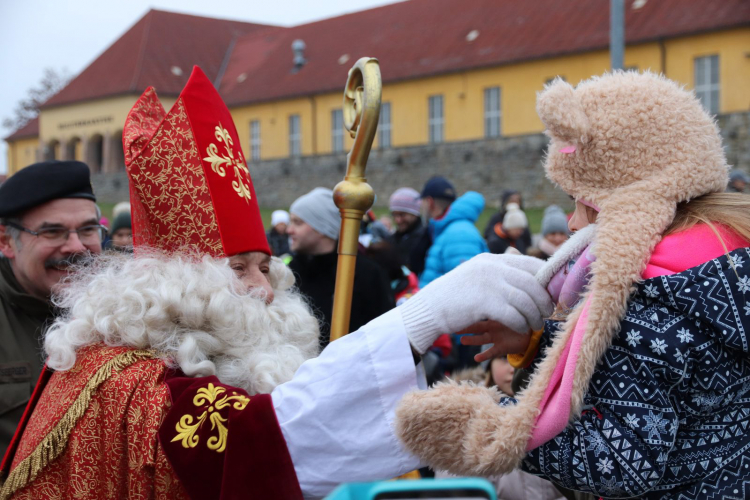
x: 70, y: 34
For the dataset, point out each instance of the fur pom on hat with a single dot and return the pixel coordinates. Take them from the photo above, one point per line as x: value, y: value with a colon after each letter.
x: 634, y: 145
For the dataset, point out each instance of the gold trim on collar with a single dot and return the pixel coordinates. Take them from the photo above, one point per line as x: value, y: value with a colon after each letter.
x: 53, y: 445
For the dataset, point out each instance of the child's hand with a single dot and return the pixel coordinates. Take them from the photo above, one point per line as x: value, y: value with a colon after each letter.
x: 504, y: 340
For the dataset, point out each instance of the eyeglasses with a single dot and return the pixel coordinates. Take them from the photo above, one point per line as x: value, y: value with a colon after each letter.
x: 58, y: 235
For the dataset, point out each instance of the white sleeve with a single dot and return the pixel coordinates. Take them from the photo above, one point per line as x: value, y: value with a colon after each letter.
x: 337, y: 413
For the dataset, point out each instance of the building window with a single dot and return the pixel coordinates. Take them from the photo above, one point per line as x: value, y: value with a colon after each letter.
x: 384, y: 126
x: 295, y: 136
x: 707, y: 82
x: 492, y: 112
x: 436, y: 118
x: 337, y: 131
x: 255, y: 140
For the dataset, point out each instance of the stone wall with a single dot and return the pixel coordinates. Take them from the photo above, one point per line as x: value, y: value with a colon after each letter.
x: 488, y: 166
x: 110, y: 188
x: 735, y: 132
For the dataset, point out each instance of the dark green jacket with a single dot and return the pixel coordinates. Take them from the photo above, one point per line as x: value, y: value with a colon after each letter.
x: 22, y: 320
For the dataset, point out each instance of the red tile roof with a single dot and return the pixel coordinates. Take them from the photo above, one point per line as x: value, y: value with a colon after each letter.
x: 147, y: 52
x: 411, y: 39
x: 31, y: 129
x: 419, y: 38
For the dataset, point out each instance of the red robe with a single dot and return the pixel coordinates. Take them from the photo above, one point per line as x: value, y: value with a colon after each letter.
x: 121, y: 424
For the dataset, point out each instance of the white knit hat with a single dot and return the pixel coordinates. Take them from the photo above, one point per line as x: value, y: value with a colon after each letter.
x: 279, y: 217
x: 514, y: 217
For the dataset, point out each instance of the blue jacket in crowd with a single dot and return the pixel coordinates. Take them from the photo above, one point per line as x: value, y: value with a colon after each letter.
x: 455, y: 238
x: 669, y: 404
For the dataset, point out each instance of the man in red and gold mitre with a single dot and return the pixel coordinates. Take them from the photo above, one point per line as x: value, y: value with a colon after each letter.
x: 191, y: 369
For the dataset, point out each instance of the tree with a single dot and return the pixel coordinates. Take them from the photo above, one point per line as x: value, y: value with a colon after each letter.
x: 28, y: 108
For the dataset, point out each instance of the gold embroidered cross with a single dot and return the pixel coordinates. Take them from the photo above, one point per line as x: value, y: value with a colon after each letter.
x: 186, y: 429
x: 241, y: 184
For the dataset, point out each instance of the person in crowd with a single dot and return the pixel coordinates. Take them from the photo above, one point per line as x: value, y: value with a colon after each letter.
x: 278, y: 240
x: 405, y: 209
x: 455, y: 237
x: 509, y: 233
x: 455, y: 240
x: 188, y: 370
x: 404, y: 283
x: 121, y: 232
x: 555, y: 232
x: 500, y: 374
x: 372, y: 230
x: 640, y: 379
x: 387, y: 223
x: 48, y: 222
x: 314, y: 231
x: 738, y: 181
x: 123, y: 206
x: 509, y: 196
x: 437, y: 195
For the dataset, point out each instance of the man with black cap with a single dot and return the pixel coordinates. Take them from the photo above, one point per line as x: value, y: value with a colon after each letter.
x: 436, y: 197
x: 48, y: 221
x: 455, y: 238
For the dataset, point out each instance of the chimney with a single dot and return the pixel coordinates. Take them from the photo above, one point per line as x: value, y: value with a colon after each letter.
x: 298, y: 47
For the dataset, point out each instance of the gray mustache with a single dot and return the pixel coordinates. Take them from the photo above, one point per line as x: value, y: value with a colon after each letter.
x: 78, y: 259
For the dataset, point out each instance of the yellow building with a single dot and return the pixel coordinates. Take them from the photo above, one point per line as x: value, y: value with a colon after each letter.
x: 453, y: 70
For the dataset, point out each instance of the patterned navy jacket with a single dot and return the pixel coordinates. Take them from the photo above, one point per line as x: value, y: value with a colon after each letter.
x: 667, y: 410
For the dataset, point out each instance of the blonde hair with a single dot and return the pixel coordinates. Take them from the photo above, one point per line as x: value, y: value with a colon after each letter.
x: 730, y: 210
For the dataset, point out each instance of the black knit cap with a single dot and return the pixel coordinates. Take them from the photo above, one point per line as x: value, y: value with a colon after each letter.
x: 42, y: 182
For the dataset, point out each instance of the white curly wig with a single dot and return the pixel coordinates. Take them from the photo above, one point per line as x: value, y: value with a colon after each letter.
x: 192, y: 310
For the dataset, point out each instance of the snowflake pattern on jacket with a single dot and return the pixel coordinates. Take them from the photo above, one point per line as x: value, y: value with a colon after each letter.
x: 667, y: 411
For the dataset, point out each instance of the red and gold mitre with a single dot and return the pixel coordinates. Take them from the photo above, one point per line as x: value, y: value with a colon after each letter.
x: 189, y: 185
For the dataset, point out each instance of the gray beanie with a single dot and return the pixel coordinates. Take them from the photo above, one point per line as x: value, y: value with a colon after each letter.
x: 554, y: 221
x: 319, y: 211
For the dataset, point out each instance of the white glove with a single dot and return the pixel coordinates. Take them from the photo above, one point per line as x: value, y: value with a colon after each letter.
x: 498, y: 287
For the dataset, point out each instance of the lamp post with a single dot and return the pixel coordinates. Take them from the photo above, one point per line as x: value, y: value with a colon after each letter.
x: 616, y: 34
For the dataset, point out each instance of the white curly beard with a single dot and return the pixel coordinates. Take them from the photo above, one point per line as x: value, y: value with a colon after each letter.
x: 193, y: 311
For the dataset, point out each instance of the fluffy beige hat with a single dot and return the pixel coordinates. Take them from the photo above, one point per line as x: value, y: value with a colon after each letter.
x: 635, y: 145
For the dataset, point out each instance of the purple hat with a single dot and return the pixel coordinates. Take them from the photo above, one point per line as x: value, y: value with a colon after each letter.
x: 405, y: 200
